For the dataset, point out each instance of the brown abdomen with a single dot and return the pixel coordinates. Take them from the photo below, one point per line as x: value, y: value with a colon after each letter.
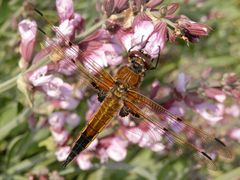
x: 109, y: 107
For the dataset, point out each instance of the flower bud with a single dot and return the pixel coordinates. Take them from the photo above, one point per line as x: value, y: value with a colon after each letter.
x: 65, y: 9
x: 172, y: 8
x: 153, y: 3
x: 28, y: 31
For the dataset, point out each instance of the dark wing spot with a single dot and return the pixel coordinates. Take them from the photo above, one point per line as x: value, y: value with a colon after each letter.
x: 207, y: 156
x: 179, y: 119
x: 40, y: 13
x: 219, y: 141
x: 73, y: 61
x: 94, y: 84
x: 42, y: 31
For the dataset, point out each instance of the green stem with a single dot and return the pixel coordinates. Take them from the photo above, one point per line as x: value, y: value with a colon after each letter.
x: 170, y: 23
x: 8, y: 84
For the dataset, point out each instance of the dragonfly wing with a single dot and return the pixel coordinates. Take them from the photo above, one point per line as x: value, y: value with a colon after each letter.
x: 175, y: 128
x: 97, y: 76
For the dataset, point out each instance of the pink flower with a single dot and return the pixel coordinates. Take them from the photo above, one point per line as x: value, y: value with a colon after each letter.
x: 72, y: 119
x: 93, y: 57
x: 65, y: 31
x: 171, y: 8
x: 67, y: 103
x: 93, y: 104
x: 211, y: 112
x: 151, y: 39
x: 39, y: 77
x: 134, y: 40
x: 192, y: 99
x: 72, y: 52
x: 159, y: 91
x: 181, y: 82
x: 93, y: 145
x: 65, y: 9
x: 230, y: 78
x: 151, y: 135
x: 157, y: 147
x: 108, y: 6
x: 134, y: 134
x: 57, y: 120
x: 235, y: 134
x: 78, y: 22
x: 233, y: 110
x: 120, y: 5
x: 60, y: 137
x: 62, y: 153
x: 153, y: 3
x: 236, y: 93
x: 97, y: 58
x: 84, y: 161
x: 79, y: 93
x: 112, y: 54
x: 178, y: 108
x: 28, y: 31
x: 154, y: 89
x: 193, y: 28
x: 157, y: 40
x: 103, y: 155
x: 216, y: 94
x: 117, y: 149
x: 57, y: 89
x: 145, y: 135
x: 65, y: 66
x: 52, y: 88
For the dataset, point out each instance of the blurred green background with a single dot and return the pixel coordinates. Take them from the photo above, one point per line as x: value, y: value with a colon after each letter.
x: 21, y: 150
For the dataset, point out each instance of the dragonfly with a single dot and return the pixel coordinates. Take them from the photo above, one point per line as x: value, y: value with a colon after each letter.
x: 119, y: 95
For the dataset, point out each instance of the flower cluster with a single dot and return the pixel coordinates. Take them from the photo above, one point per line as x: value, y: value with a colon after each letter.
x: 129, y: 26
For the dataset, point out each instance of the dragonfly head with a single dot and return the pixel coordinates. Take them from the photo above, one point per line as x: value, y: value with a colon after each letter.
x: 139, y: 61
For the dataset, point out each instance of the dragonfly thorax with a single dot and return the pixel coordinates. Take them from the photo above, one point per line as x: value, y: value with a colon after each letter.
x: 137, y: 67
x: 119, y: 89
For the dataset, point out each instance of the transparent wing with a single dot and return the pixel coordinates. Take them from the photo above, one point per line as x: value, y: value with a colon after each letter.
x: 174, y: 128
x: 97, y: 76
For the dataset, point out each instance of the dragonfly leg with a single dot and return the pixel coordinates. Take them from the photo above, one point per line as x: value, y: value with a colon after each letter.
x: 101, y: 93
x: 158, y: 58
x: 124, y: 111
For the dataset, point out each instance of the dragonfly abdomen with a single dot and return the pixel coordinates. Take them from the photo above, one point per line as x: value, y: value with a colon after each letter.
x: 101, y: 118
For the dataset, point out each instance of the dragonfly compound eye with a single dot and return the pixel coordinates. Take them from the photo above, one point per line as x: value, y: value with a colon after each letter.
x: 136, y: 67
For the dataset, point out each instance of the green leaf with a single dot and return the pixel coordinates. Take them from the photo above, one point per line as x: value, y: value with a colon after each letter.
x: 6, y: 128
x: 29, y: 163
x: 22, y: 86
x: 221, y: 61
x: 231, y: 175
